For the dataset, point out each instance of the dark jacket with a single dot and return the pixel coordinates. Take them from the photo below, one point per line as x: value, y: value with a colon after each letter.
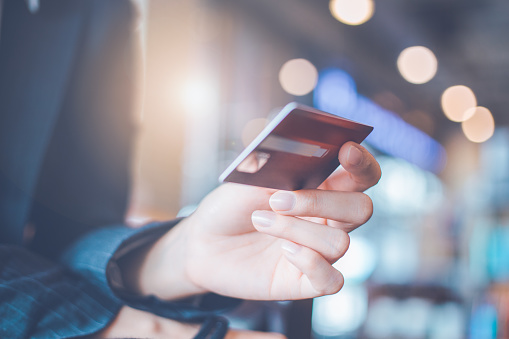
x: 68, y: 77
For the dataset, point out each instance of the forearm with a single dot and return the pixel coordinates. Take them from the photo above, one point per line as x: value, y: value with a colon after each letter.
x: 97, y: 258
x: 95, y: 255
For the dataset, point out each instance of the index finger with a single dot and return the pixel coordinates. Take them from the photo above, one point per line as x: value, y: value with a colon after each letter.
x: 359, y: 171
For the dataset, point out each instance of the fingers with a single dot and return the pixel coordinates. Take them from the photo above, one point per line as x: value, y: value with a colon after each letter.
x: 320, y: 278
x: 360, y: 170
x: 350, y: 208
x: 331, y: 243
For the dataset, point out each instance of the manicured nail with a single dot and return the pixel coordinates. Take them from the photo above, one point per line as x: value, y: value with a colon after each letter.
x: 290, y: 247
x: 354, y: 156
x: 263, y: 218
x: 282, y: 201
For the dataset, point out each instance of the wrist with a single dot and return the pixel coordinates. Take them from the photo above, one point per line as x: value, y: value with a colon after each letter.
x: 162, y: 269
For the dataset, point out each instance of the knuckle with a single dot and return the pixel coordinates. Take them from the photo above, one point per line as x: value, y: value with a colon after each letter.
x: 336, y: 285
x: 343, y: 244
x: 339, y: 241
x: 364, y: 209
x: 310, y: 260
x: 333, y: 285
x: 373, y: 171
x: 309, y: 202
x: 379, y: 175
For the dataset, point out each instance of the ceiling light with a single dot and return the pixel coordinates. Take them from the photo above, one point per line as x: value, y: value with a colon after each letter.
x: 298, y: 76
x: 457, y: 101
x: 352, y: 12
x: 481, y: 125
x: 417, y: 64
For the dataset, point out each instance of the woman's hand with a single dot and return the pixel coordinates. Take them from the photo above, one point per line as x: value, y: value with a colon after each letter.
x: 256, y: 243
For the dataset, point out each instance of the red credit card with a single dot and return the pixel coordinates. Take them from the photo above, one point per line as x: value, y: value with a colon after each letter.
x: 298, y: 149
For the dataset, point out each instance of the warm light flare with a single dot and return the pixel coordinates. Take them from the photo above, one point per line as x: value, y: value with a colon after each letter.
x: 199, y: 95
x: 457, y: 102
x: 298, y: 77
x: 481, y: 125
x: 352, y: 12
x: 417, y: 64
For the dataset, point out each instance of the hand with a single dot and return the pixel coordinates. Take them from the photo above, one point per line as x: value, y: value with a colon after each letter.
x: 133, y: 323
x: 287, y: 254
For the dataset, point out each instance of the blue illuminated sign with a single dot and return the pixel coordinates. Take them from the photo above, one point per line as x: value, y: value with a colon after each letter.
x: 336, y: 93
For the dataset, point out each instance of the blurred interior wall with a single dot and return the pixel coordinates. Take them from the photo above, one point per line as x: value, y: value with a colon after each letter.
x: 210, y: 69
x: 157, y: 164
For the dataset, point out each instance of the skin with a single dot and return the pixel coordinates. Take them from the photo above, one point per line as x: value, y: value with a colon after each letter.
x: 241, y: 243
x: 133, y: 323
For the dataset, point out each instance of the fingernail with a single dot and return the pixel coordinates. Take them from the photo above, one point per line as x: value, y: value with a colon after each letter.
x: 263, y: 218
x: 354, y: 156
x: 282, y: 201
x: 290, y: 247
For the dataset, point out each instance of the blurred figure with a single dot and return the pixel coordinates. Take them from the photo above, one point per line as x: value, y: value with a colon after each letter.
x: 68, y: 265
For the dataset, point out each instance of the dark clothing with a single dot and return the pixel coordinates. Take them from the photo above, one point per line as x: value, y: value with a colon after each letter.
x: 67, y: 107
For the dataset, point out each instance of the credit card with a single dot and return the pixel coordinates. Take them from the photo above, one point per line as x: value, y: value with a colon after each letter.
x: 298, y: 149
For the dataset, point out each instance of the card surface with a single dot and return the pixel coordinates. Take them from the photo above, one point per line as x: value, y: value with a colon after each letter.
x: 298, y: 149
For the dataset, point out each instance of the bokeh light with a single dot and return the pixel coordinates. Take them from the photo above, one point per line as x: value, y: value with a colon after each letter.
x: 340, y: 313
x: 480, y: 126
x: 456, y: 101
x: 352, y: 12
x: 484, y: 322
x: 417, y: 64
x: 298, y: 77
x: 406, y: 188
x: 336, y: 93
x: 199, y: 95
x: 360, y: 260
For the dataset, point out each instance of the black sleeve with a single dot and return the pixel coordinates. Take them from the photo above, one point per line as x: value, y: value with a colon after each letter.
x: 95, y: 258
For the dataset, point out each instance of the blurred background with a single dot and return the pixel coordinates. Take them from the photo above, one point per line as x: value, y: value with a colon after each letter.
x: 432, y: 77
